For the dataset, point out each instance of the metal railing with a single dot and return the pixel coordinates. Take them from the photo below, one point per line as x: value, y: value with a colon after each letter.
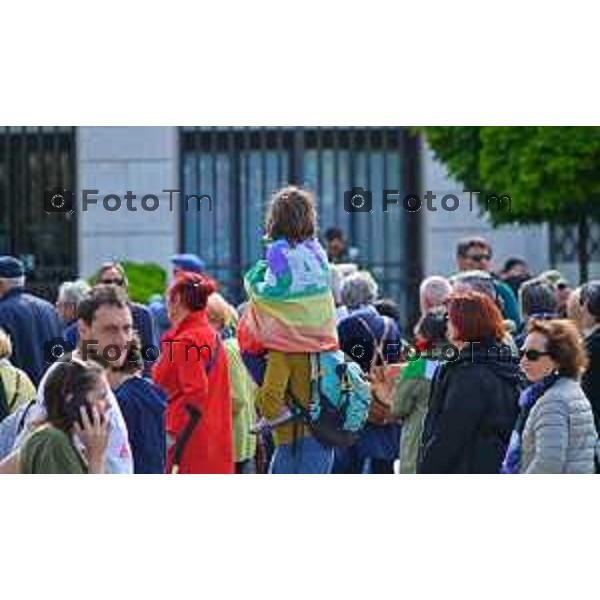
x: 240, y: 168
x: 33, y: 160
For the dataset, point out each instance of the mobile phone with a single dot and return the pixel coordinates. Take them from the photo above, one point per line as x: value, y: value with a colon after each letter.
x: 73, y: 409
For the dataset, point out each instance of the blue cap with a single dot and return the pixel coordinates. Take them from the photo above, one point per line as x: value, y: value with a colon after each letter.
x: 11, y: 267
x: 188, y: 262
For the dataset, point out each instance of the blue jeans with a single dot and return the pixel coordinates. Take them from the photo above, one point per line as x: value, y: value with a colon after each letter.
x: 306, y: 457
x: 374, y: 453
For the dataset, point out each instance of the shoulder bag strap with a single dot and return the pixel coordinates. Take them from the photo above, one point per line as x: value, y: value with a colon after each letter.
x: 15, y: 397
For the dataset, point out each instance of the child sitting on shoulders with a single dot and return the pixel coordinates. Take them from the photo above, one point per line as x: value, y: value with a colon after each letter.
x: 291, y: 311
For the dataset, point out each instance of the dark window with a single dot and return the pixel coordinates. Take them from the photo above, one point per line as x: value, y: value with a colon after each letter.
x: 32, y: 160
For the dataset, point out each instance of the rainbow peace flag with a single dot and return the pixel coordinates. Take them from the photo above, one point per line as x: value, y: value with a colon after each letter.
x: 289, y: 322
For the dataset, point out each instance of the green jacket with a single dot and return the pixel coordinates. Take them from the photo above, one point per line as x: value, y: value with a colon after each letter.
x: 411, y: 401
x: 243, y: 391
x: 48, y: 450
x: 18, y: 388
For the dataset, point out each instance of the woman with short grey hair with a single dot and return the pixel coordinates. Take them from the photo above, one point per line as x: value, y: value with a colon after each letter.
x: 478, y: 281
x: 70, y: 295
x: 359, y: 290
x: 361, y: 334
x: 433, y: 291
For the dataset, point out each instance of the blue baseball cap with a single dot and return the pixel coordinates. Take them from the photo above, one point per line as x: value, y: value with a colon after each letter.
x: 11, y: 267
x: 188, y: 262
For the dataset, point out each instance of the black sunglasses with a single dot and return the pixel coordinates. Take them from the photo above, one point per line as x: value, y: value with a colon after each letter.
x: 532, y: 355
x: 118, y: 282
x: 479, y: 257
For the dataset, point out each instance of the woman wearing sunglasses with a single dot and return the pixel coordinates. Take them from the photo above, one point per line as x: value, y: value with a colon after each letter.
x: 555, y: 431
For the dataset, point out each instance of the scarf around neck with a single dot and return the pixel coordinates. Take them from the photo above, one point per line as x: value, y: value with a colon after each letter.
x: 528, y: 398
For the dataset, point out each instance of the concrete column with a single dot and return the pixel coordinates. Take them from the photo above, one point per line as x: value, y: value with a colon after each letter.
x: 114, y: 160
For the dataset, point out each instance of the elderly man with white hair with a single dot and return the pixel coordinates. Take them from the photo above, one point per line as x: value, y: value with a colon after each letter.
x: 30, y: 321
x: 70, y: 294
x: 433, y: 292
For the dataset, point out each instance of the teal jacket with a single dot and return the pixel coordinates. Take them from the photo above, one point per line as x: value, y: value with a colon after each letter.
x: 509, y: 302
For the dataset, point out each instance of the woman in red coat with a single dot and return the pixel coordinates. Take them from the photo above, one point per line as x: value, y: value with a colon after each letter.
x: 193, y: 371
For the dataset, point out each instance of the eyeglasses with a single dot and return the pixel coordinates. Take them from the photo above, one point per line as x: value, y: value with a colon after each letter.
x: 479, y: 257
x: 118, y: 282
x: 532, y: 355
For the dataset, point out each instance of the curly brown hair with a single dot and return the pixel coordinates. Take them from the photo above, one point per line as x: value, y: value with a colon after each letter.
x: 291, y: 215
x: 563, y: 344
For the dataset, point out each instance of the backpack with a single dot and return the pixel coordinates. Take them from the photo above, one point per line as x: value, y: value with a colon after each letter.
x: 339, y: 402
x: 382, y: 376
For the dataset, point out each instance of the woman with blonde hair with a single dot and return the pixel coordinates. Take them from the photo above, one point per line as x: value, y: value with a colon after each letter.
x: 223, y: 317
x: 17, y: 389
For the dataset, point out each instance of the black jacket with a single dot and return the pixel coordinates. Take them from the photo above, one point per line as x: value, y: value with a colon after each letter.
x: 473, y: 406
x: 590, y: 382
x: 31, y: 322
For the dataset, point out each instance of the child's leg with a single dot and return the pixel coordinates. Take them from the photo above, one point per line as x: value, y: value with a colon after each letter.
x: 270, y: 398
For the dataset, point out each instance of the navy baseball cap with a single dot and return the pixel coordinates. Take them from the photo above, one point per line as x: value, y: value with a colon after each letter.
x: 11, y: 267
x: 188, y: 262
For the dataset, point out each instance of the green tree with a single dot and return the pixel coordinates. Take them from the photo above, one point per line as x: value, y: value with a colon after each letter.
x: 145, y: 280
x: 552, y: 174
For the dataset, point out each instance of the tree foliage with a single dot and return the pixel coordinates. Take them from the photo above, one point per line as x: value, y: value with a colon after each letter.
x: 551, y: 173
x: 145, y: 280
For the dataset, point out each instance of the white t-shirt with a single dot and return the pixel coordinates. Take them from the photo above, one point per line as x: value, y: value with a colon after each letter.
x: 119, y: 460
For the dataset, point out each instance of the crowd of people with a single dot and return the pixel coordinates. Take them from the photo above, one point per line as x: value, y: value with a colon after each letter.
x: 311, y: 374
